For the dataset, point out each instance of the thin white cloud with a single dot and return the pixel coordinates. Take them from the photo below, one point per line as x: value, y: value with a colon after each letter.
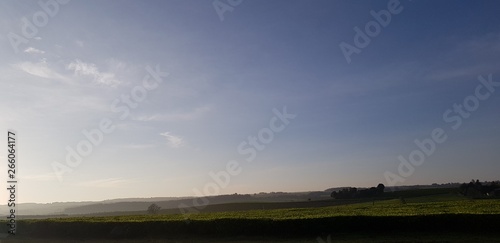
x: 458, y: 72
x: 173, y: 141
x: 469, y: 58
x: 40, y: 69
x: 486, y: 44
x: 108, y: 183
x: 181, y: 116
x: 32, y: 50
x: 138, y: 146
x: 79, y: 43
x: 90, y: 69
x: 42, y: 177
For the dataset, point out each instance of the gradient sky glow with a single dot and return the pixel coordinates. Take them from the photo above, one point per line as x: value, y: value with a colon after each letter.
x: 226, y: 77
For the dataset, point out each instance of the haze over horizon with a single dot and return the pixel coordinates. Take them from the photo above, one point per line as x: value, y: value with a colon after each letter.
x: 264, y: 93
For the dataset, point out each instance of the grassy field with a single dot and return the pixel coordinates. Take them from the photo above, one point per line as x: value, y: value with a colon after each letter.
x: 423, y: 217
x: 380, y: 208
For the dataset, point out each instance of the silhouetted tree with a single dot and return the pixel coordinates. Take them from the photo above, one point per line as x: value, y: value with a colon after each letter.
x: 476, y: 189
x: 380, y: 188
x: 154, y: 209
x: 353, y: 192
x: 478, y: 184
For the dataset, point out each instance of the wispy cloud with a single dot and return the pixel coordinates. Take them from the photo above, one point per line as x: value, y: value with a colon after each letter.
x: 90, y: 69
x: 79, y: 43
x: 179, y: 116
x: 110, y: 182
x: 458, y: 72
x: 138, y: 146
x: 468, y: 58
x: 40, y: 69
x: 173, y: 141
x: 32, y: 50
x: 486, y: 44
x: 42, y: 177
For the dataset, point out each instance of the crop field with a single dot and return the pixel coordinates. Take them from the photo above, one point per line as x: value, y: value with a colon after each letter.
x: 421, y: 216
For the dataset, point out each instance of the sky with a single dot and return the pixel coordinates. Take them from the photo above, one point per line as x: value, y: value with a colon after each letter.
x: 197, y: 98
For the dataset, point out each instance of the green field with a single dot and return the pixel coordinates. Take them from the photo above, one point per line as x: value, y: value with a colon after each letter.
x: 423, y: 217
x: 379, y: 208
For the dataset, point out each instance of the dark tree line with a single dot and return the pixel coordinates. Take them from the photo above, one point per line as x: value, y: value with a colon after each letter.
x: 478, y: 189
x: 353, y: 192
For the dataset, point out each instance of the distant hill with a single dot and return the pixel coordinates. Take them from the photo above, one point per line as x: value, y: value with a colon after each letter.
x: 61, y: 207
x: 172, y: 203
x: 124, y: 206
x: 402, y: 188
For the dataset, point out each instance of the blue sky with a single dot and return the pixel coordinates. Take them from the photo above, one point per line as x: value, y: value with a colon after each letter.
x: 225, y: 78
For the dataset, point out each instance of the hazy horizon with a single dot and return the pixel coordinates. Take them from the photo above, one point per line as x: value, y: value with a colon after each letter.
x: 144, y: 199
x: 128, y: 99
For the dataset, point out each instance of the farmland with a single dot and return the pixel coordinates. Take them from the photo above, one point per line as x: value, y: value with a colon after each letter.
x: 378, y: 209
x: 423, y: 215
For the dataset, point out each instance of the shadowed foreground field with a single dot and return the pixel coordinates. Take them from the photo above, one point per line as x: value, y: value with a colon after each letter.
x: 338, y: 238
x: 383, y: 221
